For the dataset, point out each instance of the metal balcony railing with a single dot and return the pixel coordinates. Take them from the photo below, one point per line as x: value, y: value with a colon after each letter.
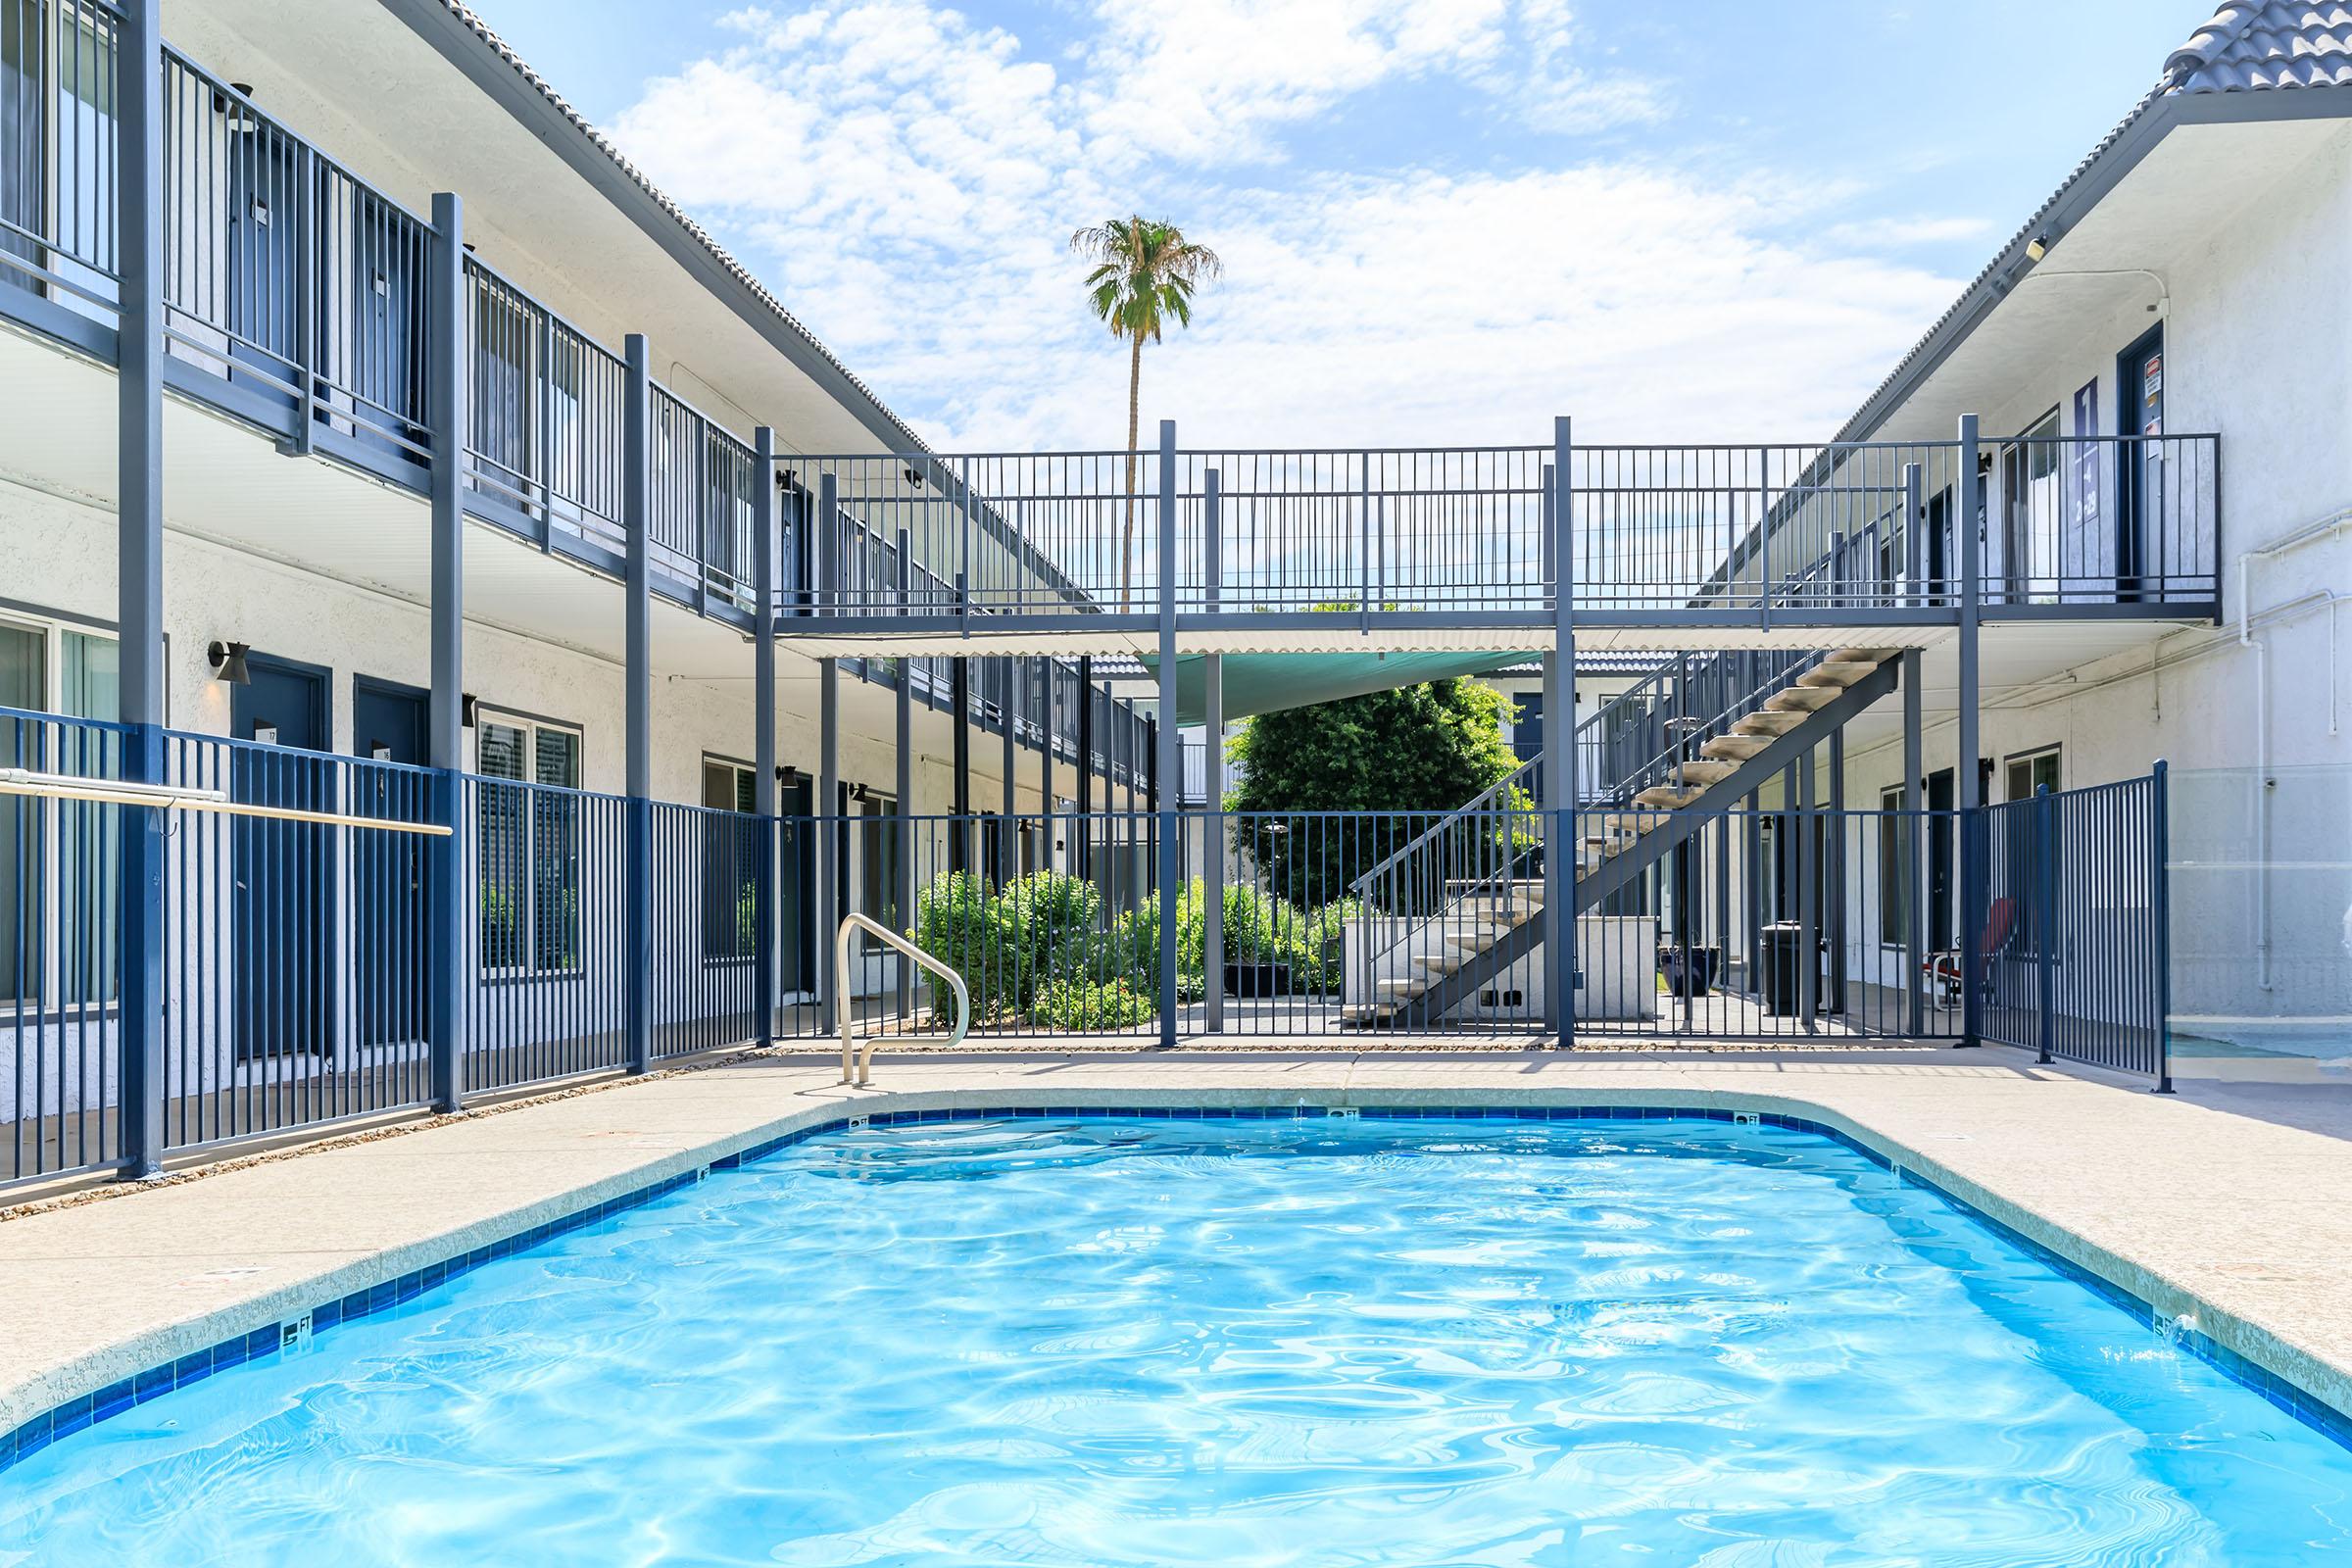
x: 303, y: 294
x: 1467, y: 537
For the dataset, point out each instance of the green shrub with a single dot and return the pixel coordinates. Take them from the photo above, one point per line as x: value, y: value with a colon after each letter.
x: 1081, y: 1005
x: 956, y: 920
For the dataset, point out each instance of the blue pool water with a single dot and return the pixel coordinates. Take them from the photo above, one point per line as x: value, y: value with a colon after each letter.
x: 1104, y: 1343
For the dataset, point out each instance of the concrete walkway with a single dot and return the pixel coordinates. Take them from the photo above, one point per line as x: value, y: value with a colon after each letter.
x: 2242, y: 1220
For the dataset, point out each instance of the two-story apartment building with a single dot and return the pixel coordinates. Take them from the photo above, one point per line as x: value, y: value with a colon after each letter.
x: 2187, y: 279
x: 462, y: 458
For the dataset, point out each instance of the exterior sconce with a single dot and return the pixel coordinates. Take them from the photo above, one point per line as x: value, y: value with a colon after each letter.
x: 2037, y: 247
x: 228, y: 663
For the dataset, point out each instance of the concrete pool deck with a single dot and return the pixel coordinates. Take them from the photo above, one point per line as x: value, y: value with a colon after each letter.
x: 2237, y: 1217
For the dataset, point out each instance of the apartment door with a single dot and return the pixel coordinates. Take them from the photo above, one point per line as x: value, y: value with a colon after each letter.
x: 283, y: 918
x: 2029, y: 566
x: 260, y: 273
x: 1943, y: 863
x: 384, y: 362
x: 796, y: 892
x: 2139, y: 469
x: 388, y: 870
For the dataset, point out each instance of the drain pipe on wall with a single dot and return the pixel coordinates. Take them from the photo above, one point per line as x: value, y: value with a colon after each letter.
x: 2266, y: 785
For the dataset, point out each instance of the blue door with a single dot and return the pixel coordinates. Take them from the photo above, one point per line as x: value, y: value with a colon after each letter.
x: 389, y: 869
x: 284, y: 899
x: 262, y: 272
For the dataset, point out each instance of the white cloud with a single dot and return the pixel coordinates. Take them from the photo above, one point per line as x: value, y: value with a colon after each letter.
x: 915, y: 175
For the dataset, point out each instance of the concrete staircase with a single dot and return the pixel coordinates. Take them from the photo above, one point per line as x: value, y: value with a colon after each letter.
x: 1422, y: 968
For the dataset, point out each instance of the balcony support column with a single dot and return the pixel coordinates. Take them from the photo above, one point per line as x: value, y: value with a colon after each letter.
x: 1044, y: 751
x: 450, y: 896
x: 1166, y: 761
x: 139, y: 578
x: 1969, y: 790
x: 1081, y: 851
x: 1915, y: 855
x: 1565, y: 846
x: 1212, y: 846
x: 637, y: 683
x: 764, y: 726
x: 1008, y: 714
x: 959, y: 704
x: 900, y: 917
x: 832, y: 830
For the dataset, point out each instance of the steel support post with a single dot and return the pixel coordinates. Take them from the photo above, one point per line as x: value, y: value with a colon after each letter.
x: 1166, y: 761
x: 1968, y: 785
x: 139, y: 575
x: 1045, y: 743
x: 637, y: 683
x: 1081, y: 848
x: 959, y: 704
x: 1833, y: 872
x: 765, y: 786
x: 1806, y: 862
x: 1915, y: 842
x: 1008, y: 714
x: 452, y: 918
x: 1212, y: 836
x: 1559, y: 729
x: 832, y: 833
x: 1563, y: 852
x: 2159, y: 915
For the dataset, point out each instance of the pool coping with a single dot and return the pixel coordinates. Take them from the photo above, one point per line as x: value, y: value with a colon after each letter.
x: 2312, y: 1390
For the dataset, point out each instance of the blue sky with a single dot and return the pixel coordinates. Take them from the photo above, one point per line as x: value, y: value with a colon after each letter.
x: 1443, y: 219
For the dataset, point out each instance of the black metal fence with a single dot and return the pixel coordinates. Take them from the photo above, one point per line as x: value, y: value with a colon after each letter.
x: 297, y: 968
x: 2074, y: 958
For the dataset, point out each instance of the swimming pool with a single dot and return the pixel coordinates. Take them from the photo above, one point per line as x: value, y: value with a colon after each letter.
x: 1104, y: 1340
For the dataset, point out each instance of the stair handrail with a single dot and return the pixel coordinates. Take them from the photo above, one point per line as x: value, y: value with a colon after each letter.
x: 840, y: 992
x: 1497, y: 797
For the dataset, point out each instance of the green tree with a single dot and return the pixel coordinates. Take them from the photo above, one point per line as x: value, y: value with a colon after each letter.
x: 1425, y: 748
x: 1144, y: 276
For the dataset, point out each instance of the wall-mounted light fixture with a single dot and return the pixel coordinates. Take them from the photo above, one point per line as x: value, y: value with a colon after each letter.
x: 228, y: 663
x: 2037, y: 247
x: 467, y: 702
x: 788, y: 776
x: 238, y: 117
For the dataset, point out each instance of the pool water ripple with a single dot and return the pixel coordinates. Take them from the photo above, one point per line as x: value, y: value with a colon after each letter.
x: 1101, y: 1342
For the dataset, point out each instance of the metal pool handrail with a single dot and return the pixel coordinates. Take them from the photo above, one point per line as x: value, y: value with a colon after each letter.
x: 840, y: 984
x: 116, y: 792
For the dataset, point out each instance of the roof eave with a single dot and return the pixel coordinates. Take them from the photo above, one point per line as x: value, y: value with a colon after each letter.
x: 447, y: 31
x: 2149, y: 123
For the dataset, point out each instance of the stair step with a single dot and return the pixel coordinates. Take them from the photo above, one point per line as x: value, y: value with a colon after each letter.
x: 1403, y: 990
x: 1470, y: 940
x: 1800, y: 699
x: 1770, y: 722
x: 1835, y: 674
x: 1636, y: 822
x: 1735, y: 747
x: 1361, y: 1013
x: 1437, y: 962
x: 1665, y: 795
x: 1701, y: 774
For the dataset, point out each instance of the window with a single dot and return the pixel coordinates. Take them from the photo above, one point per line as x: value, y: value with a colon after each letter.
x: 58, y: 915
x: 530, y: 845
x: 730, y: 864
x: 1895, y: 832
x: 2029, y: 772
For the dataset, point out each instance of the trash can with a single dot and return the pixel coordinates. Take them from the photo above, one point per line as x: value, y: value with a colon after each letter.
x: 1783, y: 995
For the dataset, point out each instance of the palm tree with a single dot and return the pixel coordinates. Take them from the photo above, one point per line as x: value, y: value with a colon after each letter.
x: 1143, y: 275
